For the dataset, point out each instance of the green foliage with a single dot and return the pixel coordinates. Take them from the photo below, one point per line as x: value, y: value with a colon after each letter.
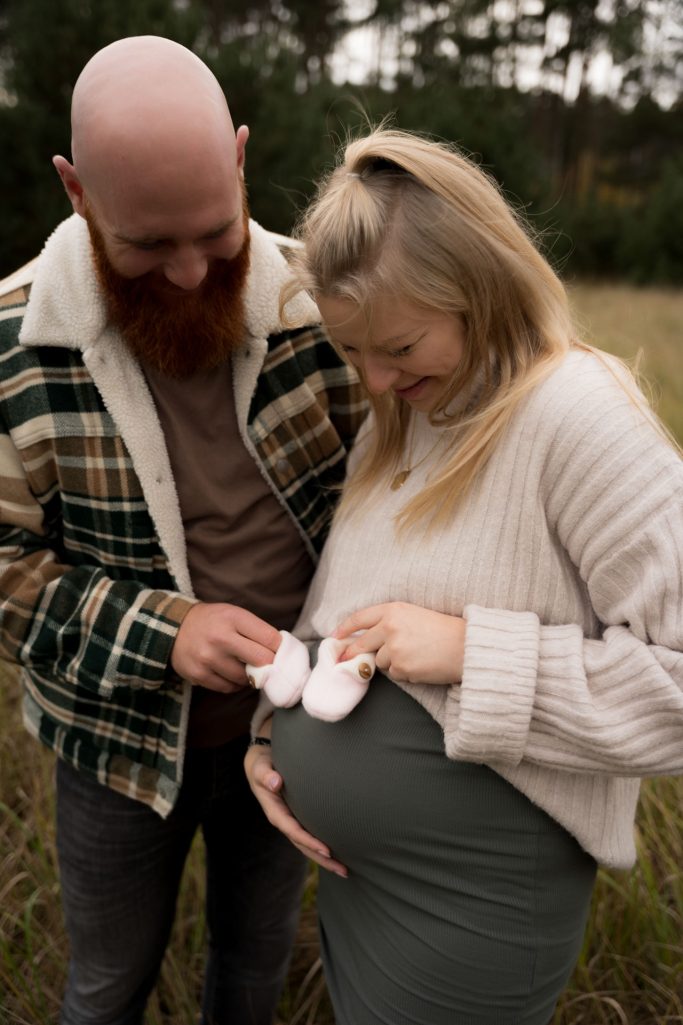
x: 490, y: 124
x: 46, y: 44
x: 651, y: 242
x: 604, y: 180
x: 640, y: 241
x: 288, y: 145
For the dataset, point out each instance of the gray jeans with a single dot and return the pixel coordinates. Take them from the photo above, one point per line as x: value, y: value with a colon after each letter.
x: 120, y: 866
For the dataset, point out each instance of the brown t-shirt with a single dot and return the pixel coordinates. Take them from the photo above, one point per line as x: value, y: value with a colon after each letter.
x: 242, y: 546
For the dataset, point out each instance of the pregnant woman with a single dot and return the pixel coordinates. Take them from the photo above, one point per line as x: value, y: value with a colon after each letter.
x: 509, y: 545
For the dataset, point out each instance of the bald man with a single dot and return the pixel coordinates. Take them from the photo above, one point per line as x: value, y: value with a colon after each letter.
x: 168, y: 461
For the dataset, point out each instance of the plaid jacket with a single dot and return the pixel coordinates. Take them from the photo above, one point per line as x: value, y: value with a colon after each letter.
x: 94, y: 580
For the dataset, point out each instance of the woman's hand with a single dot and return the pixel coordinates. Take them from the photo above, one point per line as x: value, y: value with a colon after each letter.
x: 266, y: 785
x: 412, y: 644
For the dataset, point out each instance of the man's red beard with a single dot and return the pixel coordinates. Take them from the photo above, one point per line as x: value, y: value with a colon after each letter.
x: 177, y: 333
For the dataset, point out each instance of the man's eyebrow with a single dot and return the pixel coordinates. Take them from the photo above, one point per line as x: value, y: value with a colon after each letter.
x: 220, y: 228
x: 136, y: 239
x: 147, y: 239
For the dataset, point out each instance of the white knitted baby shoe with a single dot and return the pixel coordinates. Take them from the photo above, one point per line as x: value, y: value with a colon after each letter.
x: 283, y: 680
x: 334, y: 688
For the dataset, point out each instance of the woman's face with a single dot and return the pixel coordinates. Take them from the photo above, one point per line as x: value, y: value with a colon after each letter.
x: 399, y: 347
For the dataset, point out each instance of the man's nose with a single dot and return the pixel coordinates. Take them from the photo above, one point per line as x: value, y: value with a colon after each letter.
x: 187, y: 269
x: 378, y: 377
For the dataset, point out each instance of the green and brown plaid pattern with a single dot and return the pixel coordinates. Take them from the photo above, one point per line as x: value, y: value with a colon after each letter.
x: 87, y: 603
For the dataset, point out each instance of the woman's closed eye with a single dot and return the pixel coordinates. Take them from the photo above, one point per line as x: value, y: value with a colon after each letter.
x: 405, y: 350
x: 408, y: 348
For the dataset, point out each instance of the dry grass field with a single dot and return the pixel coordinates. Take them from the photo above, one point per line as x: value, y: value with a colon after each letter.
x: 631, y: 968
x: 643, y: 326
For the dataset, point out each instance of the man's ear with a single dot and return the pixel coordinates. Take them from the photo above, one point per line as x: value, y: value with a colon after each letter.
x: 241, y: 138
x: 71, y: 182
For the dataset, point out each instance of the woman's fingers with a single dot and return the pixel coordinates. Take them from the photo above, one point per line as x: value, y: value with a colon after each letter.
x: 365, y: 644
x: 280, y: 816
x: 362, y: 619
x: 266, y: 783
x: 411, y: 643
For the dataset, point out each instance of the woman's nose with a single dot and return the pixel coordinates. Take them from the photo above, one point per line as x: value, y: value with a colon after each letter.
x: 379, y: 377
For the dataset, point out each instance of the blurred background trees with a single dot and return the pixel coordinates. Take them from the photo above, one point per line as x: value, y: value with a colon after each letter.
x: 574, y: 105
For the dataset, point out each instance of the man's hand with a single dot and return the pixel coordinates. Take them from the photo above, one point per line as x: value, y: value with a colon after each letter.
x: 412, y: 643
x: 266, y: 785
x: 214, y: 642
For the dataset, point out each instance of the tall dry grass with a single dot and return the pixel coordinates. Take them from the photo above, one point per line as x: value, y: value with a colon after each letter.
x: 643, y: 326
x: 631, y: 967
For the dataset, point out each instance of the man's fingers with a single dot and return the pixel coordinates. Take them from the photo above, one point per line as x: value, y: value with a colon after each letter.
x: 225, y: 685
x: 216, y: 638
x: 254, y: 629
x: 251, y: 652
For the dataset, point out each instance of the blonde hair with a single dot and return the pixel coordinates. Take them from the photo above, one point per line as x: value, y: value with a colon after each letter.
x: 404, y: 216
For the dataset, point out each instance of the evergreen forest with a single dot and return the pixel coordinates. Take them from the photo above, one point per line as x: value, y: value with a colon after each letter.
x: 575, y: 106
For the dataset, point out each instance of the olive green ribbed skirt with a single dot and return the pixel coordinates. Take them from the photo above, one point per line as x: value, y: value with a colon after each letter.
x: 465, y: 903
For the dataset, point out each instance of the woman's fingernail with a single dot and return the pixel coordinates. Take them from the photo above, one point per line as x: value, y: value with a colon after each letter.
x: 323, y: 854
x: 273, y: 782
x: 342, y: 875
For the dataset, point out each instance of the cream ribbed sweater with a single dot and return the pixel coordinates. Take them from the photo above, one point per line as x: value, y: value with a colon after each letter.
x: 566, y: 560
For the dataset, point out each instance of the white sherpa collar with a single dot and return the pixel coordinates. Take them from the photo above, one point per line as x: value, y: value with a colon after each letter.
x: 66, y: 309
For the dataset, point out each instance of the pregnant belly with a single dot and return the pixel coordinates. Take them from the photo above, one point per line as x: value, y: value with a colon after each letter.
x: 341, y: 778
x: 378, y: 786
x: 456, y: 880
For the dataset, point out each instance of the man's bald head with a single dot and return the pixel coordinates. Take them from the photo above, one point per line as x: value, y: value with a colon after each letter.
x: 146, y: 98
x: 155, y: 155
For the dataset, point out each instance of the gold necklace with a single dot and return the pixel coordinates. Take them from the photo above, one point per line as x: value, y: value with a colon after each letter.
x: 399, y: 479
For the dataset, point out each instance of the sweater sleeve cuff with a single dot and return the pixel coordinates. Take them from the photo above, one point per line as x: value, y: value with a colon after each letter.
x: 496, y: 697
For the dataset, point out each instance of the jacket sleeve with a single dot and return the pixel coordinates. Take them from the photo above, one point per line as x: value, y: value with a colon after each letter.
x: 74, y: 623
x: 547, y: 693
x: 343, y: 396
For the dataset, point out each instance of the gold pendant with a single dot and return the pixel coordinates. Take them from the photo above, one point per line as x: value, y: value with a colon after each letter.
x: 399, y: 480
